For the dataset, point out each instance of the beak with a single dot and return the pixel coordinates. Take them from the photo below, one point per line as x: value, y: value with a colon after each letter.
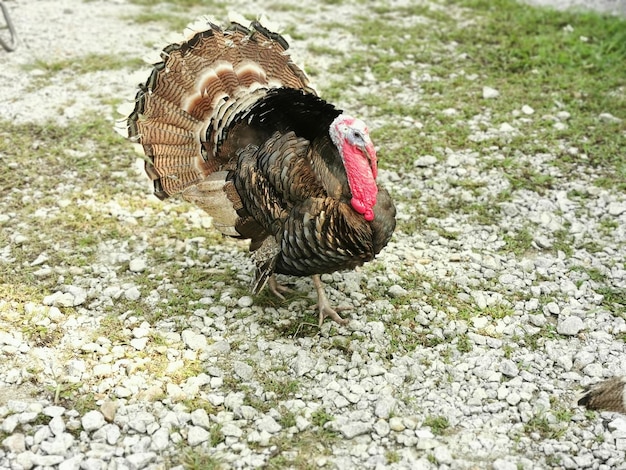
x: 370, y: 153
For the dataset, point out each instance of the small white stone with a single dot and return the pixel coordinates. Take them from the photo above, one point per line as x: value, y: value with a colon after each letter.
x: 197, y: 435
x: 543, y: 242
x: 15, y: 443
x: 47, y: 460
x: 375, y: 370
x: 234, y: 400
x: 200, y: 418
x: 19, y: 239
x: 508, y: 368
x: 25, y: 460
x: 302, y: 423
x: 57, y: 425
x: 245, y: 301
x: 59, y: 299
x: 41, y: 259
x: 396, y: 424
x: 231, y: 430
x: 397, y: 291
x: 481, y: 302
x: 490, y: 93
x: 513, y: 398
x: 594, y: 370
x: 111, y: 433
x: 425, y: 161
x: 139, y: 343
x: 527, y: 110
x: 193, y: 340
x: 53, y: 411
x: 243, y: 370
x: 92, y: 420
x: 384, y: 407
x: 160, y: 440
x: 9, y: 423
x: 563, y: 115
x: 141, y: 459
x: 141, y: 332
x: 303, y: 363
x: 501, y: 464
x: 480, y: 323
x: 608, y: 117
x: 59, y: 445
x: 616, y: 208
x: 269, y: 425
x: 137, y: 265
x: 570, y: 326
x: 381, y: 427
x: 552, y: 308
x: 132, y: 293
x: 506, y: 127
x: 102, y: 370
x: 353, y: 429
x: 442, y: 455
x: 28, y: 417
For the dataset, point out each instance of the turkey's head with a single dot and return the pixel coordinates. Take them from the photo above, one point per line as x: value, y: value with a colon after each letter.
x: 352, y: 139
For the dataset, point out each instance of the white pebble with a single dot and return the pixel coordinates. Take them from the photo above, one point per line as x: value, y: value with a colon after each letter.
x: 490, y: 93
x: 137, y: 265
x: 570, y: 326
x: 132, y: 293
x: 92, y: 420
x: 200, y: 418
x: 269, y: 425
x: 15, y: 443
x: 245, y: 301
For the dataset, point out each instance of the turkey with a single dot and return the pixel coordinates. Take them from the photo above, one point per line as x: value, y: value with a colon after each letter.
x: 228, y: 122
x: 609, y: 395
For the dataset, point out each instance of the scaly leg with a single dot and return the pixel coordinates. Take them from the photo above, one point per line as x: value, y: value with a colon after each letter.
x: 323, y: 304
x: 277, y: 289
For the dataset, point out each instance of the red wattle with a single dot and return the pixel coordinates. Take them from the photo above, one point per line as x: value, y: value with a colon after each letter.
x: 361, y: 181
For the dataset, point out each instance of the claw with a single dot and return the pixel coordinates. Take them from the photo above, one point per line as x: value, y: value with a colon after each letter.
x: 324, y: 306
x: 277, y: 289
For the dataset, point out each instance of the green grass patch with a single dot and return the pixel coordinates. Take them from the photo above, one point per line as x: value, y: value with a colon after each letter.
x: 438, y: 424
x: 89, y: 63
x: 552, y: 61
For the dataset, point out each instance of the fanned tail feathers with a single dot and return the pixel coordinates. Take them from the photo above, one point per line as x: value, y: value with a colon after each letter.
x: 185, y: 109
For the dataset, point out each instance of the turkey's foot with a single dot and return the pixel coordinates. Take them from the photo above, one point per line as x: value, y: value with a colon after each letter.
x: 323, y: 305
x: 277, y: 289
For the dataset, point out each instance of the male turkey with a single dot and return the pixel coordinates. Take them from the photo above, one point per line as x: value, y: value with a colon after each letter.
x: 609, y: 395
x: 230, y: 123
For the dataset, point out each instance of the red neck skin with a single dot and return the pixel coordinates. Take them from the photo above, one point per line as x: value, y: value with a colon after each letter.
x: 361, y: 179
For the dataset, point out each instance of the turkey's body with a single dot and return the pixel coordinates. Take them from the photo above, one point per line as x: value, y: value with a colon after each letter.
x: 228, y: 122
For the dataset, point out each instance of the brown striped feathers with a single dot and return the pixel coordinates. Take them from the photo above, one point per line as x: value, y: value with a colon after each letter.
x: 609, y: 395
x: 228, y: 122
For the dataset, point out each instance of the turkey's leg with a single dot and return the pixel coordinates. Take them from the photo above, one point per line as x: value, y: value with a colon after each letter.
x: 323, y: 304
x: 277, y: 289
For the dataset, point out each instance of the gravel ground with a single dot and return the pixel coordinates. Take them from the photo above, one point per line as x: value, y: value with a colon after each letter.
x: 380, y: 400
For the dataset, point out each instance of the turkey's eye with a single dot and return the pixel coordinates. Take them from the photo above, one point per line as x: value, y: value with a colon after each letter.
x: 355, y: 136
